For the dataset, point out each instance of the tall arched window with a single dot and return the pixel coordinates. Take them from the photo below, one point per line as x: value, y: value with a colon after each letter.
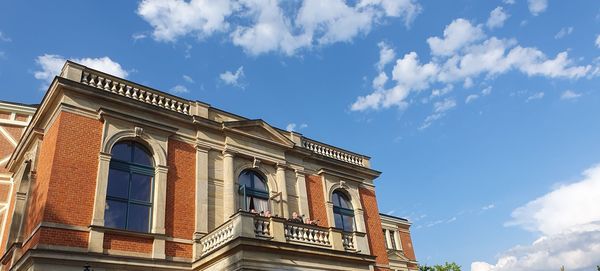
x: 343, y: 212
x: 129, y: 193
x: 253, y: 191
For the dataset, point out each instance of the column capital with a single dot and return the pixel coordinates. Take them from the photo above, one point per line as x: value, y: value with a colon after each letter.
x: 228, y: 152
x: 202, y: 147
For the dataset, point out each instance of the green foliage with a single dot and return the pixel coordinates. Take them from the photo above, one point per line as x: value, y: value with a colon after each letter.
x: 445, y: 267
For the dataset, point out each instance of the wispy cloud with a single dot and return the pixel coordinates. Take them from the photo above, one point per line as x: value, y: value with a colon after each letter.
x: 233, y: 78
x: 565, y: 31
x: 51, y: 65
x: 569, y: 95
x: 188, y: 79
x: 179, y: 89
x: 497, y: 18
x: 535, y: 96
x: 292, y: 127
x: 537, y: 6
x: 4, y: 38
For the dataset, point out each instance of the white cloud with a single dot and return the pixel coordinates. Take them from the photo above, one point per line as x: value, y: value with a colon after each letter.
x: 51, y: 66
x: 457, y: 34
x: 471, y: 98
x: 486, y: 91
x: 537, y: 6
x: 172, y: 19
x: 262, y: 26
x: 439, y: 110
x: 488, y: 207
x: 509, y: 2
x: 535, y: 96
x: 386, y: 55
x: 188, y: 79
x: 568, y: 219
x: 462, y: 56
x: 292, y: 127
x: 179, y: 89
x: 565, y: 31
x: 497, y: 18
x: 598, y: 41
x: 4, y: 38
x: 441, y: 91
x: 138, y: 36
x: 569, y: 95
x: 233, y: 78
x: 380, y: 80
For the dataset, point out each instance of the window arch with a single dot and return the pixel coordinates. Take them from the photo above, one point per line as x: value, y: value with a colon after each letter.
x: 342, y: 211
x: 129, y: 191
x: 254, y: 191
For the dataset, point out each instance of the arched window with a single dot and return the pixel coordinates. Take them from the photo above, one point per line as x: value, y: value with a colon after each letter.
x: 253, y: 191
x: 342, y: 212
x: 129, y: 192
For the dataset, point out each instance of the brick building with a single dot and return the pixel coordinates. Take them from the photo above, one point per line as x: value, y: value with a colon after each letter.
x: 119, y: 176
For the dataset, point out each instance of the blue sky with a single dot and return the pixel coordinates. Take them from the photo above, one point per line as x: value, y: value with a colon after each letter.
x: 482, y: 115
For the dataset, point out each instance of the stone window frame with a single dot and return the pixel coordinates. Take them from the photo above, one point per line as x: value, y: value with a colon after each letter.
x: 331, y: 184
x: 155, y: 139
x: 345, y: 193
x: 269, y: 178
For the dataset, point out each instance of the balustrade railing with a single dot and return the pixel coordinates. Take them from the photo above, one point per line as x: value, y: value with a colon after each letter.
x: 262, y: 227
x: 217, y: 238
x: 348, y: 241
x: 133, y: 91
x: 306, y: 234
x: 332, y: 152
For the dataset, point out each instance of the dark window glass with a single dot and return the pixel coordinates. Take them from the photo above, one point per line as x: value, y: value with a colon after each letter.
x: 343, y: 212
x: 129, y: 192
x: 139, y: 218
x: 141, y: 156
x: 253, y: 191
x: 141, y: 187
x: 118, y: 184
x: 393, y: 240
x: 115, y: 214
x: 122, y: 151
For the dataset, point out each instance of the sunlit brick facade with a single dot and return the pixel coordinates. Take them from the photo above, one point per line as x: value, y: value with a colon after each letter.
x: 119, y: 176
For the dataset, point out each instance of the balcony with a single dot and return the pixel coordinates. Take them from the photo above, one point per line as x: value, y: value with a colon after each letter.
x: 303, y: 244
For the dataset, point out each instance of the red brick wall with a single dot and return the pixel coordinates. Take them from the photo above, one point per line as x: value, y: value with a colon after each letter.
x: 316, y: 199
x: 73, y: 180
x: 407, y: 245
x: 181, y: 179
x: 173, y: 249
x: 120, y: 242
x: 62, y: 237
x: 373, y: 226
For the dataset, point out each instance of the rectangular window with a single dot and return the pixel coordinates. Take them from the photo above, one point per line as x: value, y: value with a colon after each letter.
x: 393, y: 240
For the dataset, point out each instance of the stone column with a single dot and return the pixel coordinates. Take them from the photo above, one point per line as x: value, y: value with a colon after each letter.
x: 302, y: 194
x: 96, y: 238
x: 283, y: 189
x: 397, y: 240
x: 388, y: 242
x: 229, y: 189
x: 201, y: 198
x: 158, y: 210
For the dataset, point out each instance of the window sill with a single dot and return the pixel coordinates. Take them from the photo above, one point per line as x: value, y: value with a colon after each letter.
x: 127, y: 232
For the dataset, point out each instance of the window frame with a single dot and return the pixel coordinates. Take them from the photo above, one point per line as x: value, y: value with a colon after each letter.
x: 251, y: 191
x: 342, y: 211
x: 133, y: 168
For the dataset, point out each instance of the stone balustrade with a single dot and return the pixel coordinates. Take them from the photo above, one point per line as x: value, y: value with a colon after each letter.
x: 308, y: 234
x: 273, y: 229
x: 218, y: 237
x: 133, y: 91
x: 348, y: 241
x: 262, y: 227
x: 333, y: 152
